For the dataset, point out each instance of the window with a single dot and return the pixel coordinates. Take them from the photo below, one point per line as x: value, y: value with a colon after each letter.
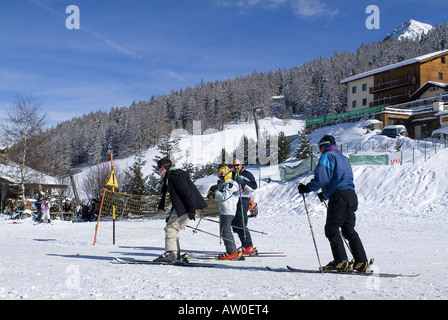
x: 364, y: 102
x: 364, y: 87
x: 354, y: 89
x: 440, y: 76
x: 443, y: 59
x: 354, y: 104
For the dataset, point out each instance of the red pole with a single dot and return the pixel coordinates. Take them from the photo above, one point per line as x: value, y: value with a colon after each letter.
x: 99, y: 216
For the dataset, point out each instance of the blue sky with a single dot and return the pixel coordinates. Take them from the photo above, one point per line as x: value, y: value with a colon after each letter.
x: 128, y: 50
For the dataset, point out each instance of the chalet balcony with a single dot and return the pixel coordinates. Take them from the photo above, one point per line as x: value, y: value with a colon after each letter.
x: 387, y: 101
x: 392, y: 84
x: 409, y: 104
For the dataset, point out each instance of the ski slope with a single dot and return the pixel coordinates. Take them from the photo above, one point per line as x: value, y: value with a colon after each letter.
x: 402, y: 220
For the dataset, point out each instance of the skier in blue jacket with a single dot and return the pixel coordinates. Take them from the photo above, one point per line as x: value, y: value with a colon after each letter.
x: 334, y: 176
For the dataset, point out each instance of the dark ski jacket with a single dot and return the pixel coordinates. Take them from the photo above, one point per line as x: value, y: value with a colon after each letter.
x: 332, y: 173
x: 184, y: 195
x: 38, y: 205
x: 250, y: 184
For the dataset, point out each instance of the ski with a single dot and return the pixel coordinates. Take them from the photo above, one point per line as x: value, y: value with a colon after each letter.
x: 214, y: 257
x: 180, y: 263
x: 368, y: 273
x: 216, y: 254
x: 375, y: 274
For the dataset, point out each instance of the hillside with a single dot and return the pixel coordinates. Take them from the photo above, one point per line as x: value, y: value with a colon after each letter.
x: 402, y: 220
x: 312, y: 88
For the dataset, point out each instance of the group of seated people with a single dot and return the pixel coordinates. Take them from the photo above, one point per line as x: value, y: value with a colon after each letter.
x: 19, y: 209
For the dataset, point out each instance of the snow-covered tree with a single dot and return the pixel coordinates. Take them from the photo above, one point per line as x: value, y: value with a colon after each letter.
x: 134, y: 179
x: 304, y: 150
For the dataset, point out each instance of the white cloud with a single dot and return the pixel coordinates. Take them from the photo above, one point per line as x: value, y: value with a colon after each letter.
x: 302, y: 8
x: 311, y: 8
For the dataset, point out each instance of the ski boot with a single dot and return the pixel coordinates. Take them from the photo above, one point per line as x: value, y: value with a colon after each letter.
x: 360, y: 266
x: 168, y: 256
x: 343, y: 266
x: 247, y: 251
x: 229, y: 256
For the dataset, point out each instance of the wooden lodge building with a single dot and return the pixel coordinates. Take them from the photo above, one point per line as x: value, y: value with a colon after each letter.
x: 413, y: 92
x: 36, y: 182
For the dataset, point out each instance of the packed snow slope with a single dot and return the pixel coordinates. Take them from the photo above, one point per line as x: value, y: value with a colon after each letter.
x: 402, y: 220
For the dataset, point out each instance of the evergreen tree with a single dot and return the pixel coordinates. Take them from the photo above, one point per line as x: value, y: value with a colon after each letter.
x: 166, y: 146
x: 304, y: 150
x: 284, y: 148
x: 154, y: 184
x: 313, y: 88
x: 135, y: 181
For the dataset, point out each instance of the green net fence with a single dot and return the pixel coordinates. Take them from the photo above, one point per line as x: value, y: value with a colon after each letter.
x: 288, y: 173
x: 382, y: 159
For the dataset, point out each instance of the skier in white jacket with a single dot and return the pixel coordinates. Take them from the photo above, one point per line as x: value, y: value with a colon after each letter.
x: 227, y: 196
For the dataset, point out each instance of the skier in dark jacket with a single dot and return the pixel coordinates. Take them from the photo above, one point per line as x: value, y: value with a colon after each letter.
x: 246, y: 184
x: 334, y: 176
x: 38, y: 205
x: 185, y: 199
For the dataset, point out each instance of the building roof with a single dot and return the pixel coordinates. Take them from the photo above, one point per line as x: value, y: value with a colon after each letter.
x: 394, y: 66
x: 11, y: 173
x: 428, y: 85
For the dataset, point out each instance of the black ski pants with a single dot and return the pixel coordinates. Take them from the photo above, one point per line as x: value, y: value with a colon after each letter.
x: 341, y: 218
x: 241, y: 221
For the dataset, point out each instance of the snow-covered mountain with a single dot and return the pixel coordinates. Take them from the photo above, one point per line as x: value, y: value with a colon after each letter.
x: 410, y: 29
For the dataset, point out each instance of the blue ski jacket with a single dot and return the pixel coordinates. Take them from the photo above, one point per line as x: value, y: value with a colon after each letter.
x: 333, y: 172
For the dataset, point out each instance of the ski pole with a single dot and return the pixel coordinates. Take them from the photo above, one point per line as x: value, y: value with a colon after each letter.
x: 262, y: 232
x: 241, y: 201
x: 195, y: 230
x: 312, y: 233
x: 211, y: 234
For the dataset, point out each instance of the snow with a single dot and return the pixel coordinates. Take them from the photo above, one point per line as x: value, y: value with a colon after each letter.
x: 402, y: 220
x: 410, y: 29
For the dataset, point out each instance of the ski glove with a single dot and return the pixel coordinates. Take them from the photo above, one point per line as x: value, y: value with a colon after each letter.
x: 240, y: 181
x: 211, y: 192
x: 192, y: 215
x: 213, y: 188
x: 321, y: 197
x: 303, y: 188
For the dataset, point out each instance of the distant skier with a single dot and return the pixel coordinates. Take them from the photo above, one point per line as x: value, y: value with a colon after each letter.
x: 45, y: 207
x: 334, y: 176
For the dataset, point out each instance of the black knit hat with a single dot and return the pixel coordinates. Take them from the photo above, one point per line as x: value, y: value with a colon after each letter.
x: 164, y: 162
x: 327, y: 141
